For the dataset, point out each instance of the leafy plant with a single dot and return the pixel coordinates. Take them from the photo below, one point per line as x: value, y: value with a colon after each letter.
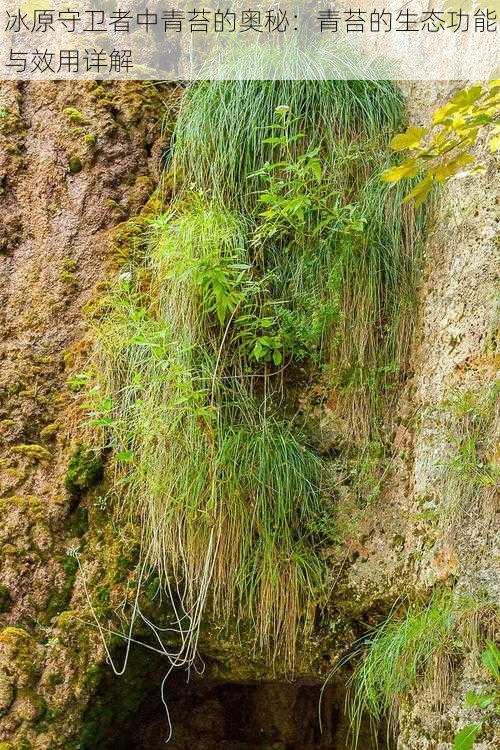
x: 442, y: 150
x: 466, y: 737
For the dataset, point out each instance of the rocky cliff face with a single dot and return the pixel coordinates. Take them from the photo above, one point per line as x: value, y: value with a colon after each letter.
x: 79, y: 166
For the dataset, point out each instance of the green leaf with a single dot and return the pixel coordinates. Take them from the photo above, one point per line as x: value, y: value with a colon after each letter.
x: 277, y: 357
x: 465, y: 739
x: 275, y: 140
x: 409, y: 139
x: 491, y: 660
x: 403, y: 171
x: 125, y: 456
x: 258, y: 350
x: 315, y: 168
x: 481, y: 700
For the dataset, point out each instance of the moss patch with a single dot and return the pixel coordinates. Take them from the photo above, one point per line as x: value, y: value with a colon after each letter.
x: 85, y: 469
x: 75, y: 164
x: 5, y: 598
x: 34, y: 451
x: 74, y: 116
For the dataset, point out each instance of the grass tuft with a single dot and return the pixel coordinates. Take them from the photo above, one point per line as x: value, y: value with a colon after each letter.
x: 415, y: 650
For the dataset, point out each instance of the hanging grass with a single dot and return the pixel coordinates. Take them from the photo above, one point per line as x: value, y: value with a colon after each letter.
x: 220, y: 131
x: 282, y: 255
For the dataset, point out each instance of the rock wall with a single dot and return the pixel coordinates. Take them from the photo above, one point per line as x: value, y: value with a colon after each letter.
x: 75, y: 161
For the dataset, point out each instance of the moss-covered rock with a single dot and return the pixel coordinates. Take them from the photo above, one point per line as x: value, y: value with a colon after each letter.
x: 74, y: 116
x: 85, y: 470
x: 33, y: 451
x: 49, y: 432
x: 75, y: 164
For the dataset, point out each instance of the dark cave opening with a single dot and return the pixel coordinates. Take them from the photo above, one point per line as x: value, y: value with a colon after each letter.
x: 207, y: 713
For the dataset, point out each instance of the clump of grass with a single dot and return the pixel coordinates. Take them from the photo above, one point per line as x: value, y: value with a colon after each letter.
x: 220, y: 133
x: 197, y: 254
x: 471, y: 471
x: 414, y: 651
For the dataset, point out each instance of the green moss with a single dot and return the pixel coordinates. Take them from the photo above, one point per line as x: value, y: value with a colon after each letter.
x: 69, y: 279
x: 59, y: 599
x: 22, y: 651
x: 79, y: 522
x: 75, y: 165
x: 129, y: 239
x: 54, y: 679
x: 5, y: 598
x: 36, y: 703
x: 77, y: 382
x: 13, y: 149
x: 16, y: 637
x: 49, y: 432
x: 66, y: 620
x: 74, y: 116
x: 116, y: 700
x: 6, y: 746
x: 85, y: 470
x: 34, y: 451
x: 69, y: 264
x: 90, y: 139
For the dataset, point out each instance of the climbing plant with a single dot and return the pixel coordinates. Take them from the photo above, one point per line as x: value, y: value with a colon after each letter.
x: 281, y: 256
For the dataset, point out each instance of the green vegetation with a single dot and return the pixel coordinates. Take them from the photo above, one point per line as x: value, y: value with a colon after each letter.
x: 221, y: 133
x: 74, y: 116
x: 283, y: 257
x: 471, y: 471
x: 33, y: 451
x: 5, y: 599
x: 75, y: 164
x: 84, y: 470
x: 412, y: 649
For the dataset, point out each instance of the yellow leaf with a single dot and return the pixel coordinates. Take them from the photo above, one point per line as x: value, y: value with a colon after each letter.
x: 420, y: 191
x: 403, y: 171
x: 409, y: 139
x: 443, y: 113
x: 445, y: 171
x: 466, y: 97
x: 494, y: 143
